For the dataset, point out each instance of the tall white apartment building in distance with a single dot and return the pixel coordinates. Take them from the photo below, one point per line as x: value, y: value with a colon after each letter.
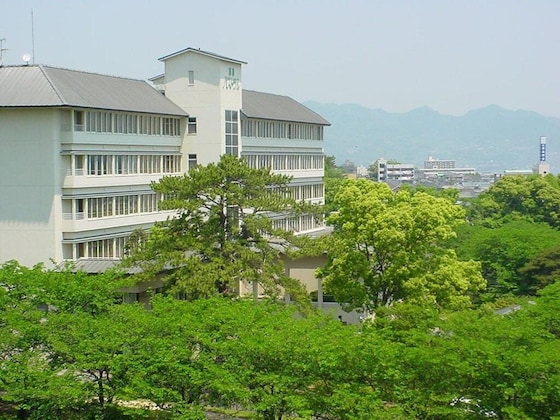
x: 79, y: 151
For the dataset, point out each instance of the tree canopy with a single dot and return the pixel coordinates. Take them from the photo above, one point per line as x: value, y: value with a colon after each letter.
x: 388, y: 246
x: 223, y: 232
x: 504, y: 249
x: 509, y: 224
x: 411, y: 361
x: 534, y: 197
x: 334, y: 179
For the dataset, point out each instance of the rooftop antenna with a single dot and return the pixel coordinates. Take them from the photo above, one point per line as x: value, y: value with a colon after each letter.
x: 32, y: 39
x: 2, y: 49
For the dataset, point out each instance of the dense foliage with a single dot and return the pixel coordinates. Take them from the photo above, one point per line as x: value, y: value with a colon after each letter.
x: 533, y: 197
x: 504, y: 250
x: 220, y: 234
x: 388, y: 246
x: 70, y: 349
x: 413, y: 361
x: 513, y: 231
x: 334, y: 179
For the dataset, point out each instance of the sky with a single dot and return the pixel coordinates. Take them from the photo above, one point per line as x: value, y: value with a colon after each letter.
x: 397, y: 55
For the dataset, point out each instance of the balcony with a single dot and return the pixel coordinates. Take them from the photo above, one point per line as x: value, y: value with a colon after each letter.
x: 77, y: 222
x: 80, y: 180
x: 301, y: 173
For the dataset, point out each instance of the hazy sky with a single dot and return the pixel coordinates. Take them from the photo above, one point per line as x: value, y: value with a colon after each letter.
x: 451, y: 55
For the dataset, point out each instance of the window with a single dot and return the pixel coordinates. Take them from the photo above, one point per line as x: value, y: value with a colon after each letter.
x: 79, y: 164
x: 251, y: 160
x: 171, y: 127
x: 191, y: 125
x: 104, y: 248
x: 191, y: 77
x: 171, y: 164
x: 279, y: 163
x: 150, y: 164
x: 100, y: 207
x: 232, y: 133
x: 78, y: 121
x: 127, y: 204
x: 99, y: 165
x: 126, y: 164
x: 166, y: 126
x: 149, y: 203
x: 123, y: 123
x: 192, y: 161
x: 79, y: 207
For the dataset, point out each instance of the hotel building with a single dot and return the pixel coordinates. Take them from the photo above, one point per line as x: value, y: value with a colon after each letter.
x: 79, y: 151
x: 266, y: 130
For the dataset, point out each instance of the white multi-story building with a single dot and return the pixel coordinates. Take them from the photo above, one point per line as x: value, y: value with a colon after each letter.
x: 266, y: 130
x: 79, y: 151
x: 401, y: 172
x: 433, y: 163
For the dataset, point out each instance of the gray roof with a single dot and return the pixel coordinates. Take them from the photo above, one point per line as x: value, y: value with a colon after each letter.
x: 95, y: 266
x: 508, y: 309
x: 277, y: 107
x: 43, y: 86
x: 199, y: 51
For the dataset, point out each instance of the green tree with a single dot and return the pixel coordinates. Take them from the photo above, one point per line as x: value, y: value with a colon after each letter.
x: 28, y: 382
x: 466, y: 364
x: 539, y: 271
x: 504, y: 250
x: 507, y: 365
x: 334, y: 179
x: 450, y: 193
x: 176, y: 362
x: 56, y: 328
x: 96, y: 349
x: 331, y: 170
x: 387, y: 246
x: 534, y: 197
x: 222, y: 233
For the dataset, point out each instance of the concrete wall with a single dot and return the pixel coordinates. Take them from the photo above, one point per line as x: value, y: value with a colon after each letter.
x: 30, y: 185
x: 206, y: 99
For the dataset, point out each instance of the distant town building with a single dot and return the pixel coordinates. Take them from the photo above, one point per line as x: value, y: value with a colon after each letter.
x: 402, y: 172
x: 362, y: 172
x: 433, y: 163
x: 513, y: 172
x: 542, y: 168
x: 444, y: 169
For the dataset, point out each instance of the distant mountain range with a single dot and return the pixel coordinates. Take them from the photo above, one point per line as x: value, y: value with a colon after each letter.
x: 490, y: 139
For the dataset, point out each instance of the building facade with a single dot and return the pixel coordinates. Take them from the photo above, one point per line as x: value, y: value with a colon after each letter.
x: 433, y: 163
x: 266, y: 130
x: 80, y: 150
x: 401, y: 172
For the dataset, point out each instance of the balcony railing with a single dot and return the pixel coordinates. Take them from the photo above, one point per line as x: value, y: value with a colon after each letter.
x: 73, y: 216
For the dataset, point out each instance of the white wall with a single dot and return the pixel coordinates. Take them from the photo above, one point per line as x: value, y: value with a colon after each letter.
x: 206, y: 99
x: 29, y: 185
